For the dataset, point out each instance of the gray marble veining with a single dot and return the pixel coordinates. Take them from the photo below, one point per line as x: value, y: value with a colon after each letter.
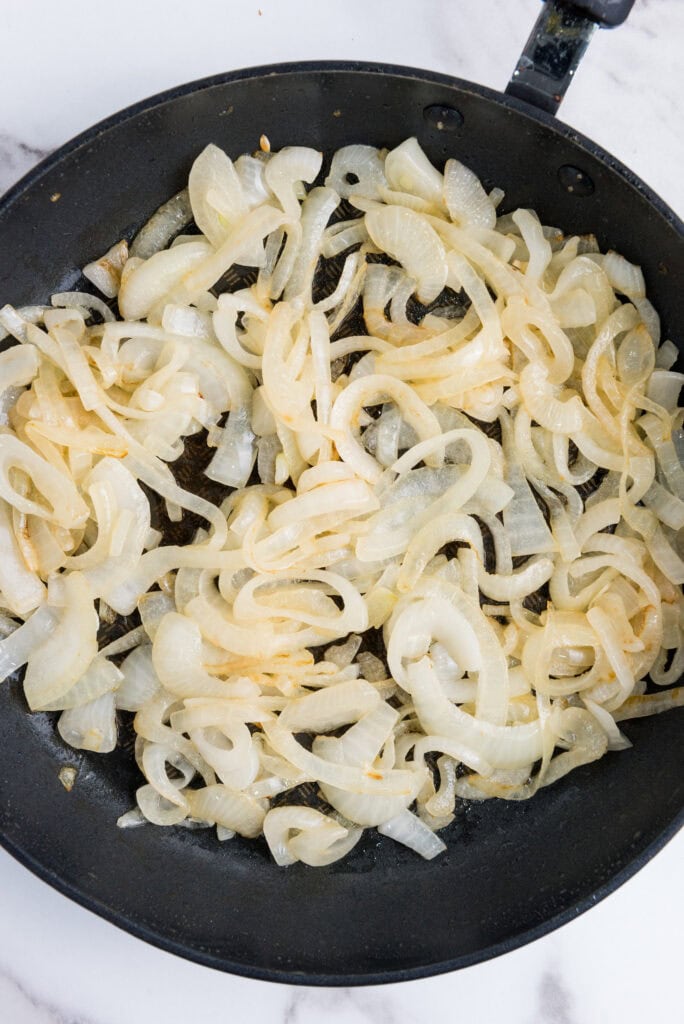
x: 555, y: 1003
x: 16, y: 158
x: 19, y: 1004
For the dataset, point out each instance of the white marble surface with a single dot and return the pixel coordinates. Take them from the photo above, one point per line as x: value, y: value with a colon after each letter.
x: 67, y: 65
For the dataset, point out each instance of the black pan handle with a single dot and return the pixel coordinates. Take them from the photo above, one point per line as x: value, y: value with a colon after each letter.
x: 608, y: 13
x: 557, y: 44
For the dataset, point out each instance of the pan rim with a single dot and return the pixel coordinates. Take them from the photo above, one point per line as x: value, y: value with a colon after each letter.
x: 517, y: 940
x: 345, y: 66
x: 340, y: 980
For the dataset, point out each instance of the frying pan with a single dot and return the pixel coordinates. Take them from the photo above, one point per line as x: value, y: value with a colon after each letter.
x: 512, y: 871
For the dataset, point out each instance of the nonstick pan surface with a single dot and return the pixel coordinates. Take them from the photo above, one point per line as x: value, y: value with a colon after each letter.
x: 512, y: 871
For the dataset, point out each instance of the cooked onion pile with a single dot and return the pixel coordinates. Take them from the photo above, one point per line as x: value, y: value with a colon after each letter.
x: 485, y: 485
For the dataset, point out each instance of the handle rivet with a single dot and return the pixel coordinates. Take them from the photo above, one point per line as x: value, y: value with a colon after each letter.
x: 444, y: 119
x: 575, y: 180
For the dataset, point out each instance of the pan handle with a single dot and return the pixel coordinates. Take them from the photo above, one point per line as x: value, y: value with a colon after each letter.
x: 557, y: 44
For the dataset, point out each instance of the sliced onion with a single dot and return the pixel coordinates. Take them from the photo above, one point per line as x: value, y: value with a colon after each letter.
x: 410, y: 831
x: 61, y: 660
x: 529, y: 446
x: 412, y: 242
x: 105, y: 273
x: 502, y: 746
x: 140, y: 681
x: 287, y: 169
x: 220, y: 805
x: 356, y: 170
x: 368, y: 391
x: 467, y: 202
x: 408, y: 170
x: 171, y: 217
x: 90, y: 726
x: 100, y: 678
x: 215, y: 194
x: 17, y: 648
x: 318, y: 839
x: 22, y: 588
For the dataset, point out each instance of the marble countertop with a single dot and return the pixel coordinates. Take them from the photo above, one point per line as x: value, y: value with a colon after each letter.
x: 66, y: 66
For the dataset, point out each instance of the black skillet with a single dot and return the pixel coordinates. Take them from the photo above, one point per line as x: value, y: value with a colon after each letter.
x: 512, y: 871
